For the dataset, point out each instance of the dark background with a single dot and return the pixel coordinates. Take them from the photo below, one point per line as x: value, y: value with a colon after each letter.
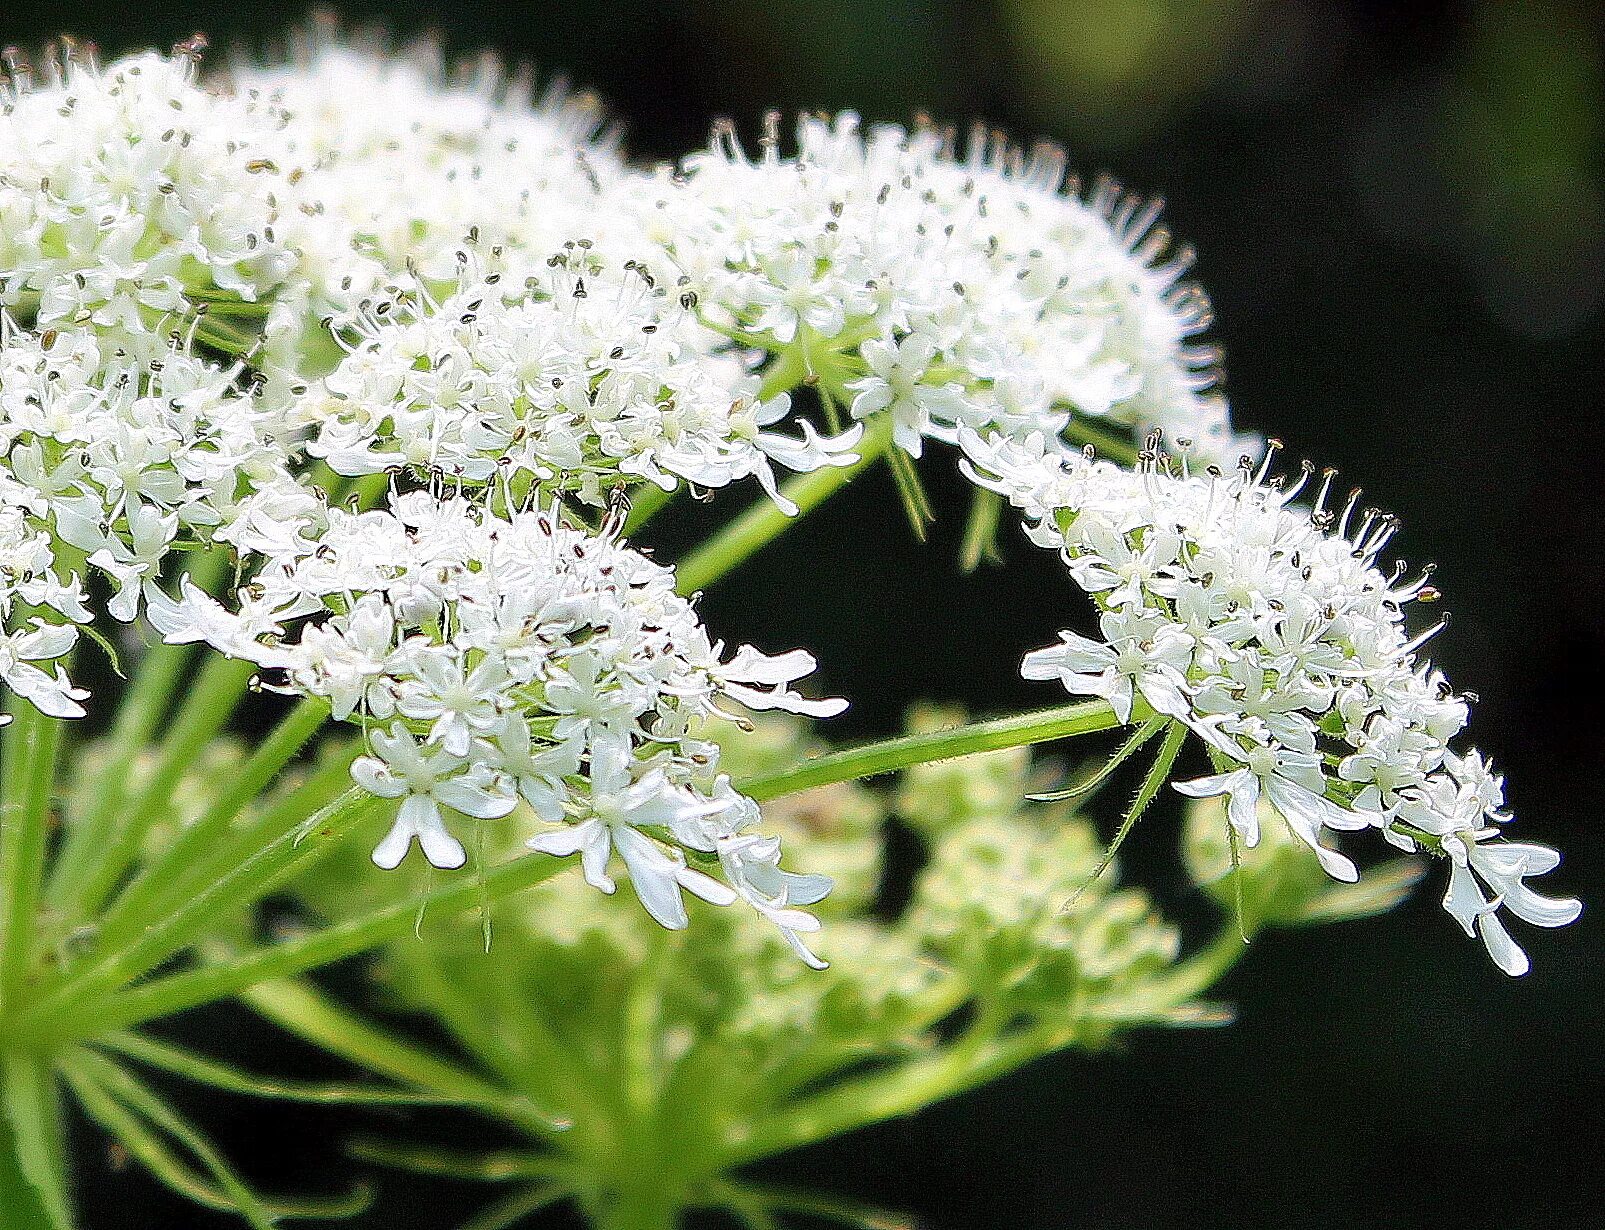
x: 1398, y: 212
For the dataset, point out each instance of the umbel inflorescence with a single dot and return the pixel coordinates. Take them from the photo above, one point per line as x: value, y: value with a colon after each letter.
x: 1269, y: 630
x: 363, y: 374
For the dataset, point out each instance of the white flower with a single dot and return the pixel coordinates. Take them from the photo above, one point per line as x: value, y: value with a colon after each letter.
x: 1140, y: 654
x: 1504, y: 866
x: 596, y: 377
x: 897, y: 385
x: 52, y: 693
x: 460, y: 705
x: 759, y: 681
x: 122, y: 458
x: 618, y: 808
x: 390, y: 160
x: 425, y: 781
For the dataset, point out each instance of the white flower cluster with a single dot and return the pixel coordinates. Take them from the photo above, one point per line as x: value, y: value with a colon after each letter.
x: 439, y: 280
x: 130, y: 193
x: 394, y: 164
x: 1272, y: 633
x: 113, y: 462
x: 493, y: 659
x: 976, y: 291
x: 597, y: 376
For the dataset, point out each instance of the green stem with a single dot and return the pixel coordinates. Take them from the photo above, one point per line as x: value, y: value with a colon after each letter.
x: 922, y: 1082
x: 889, y: 755
x: 132, y: 909
x: 1183, y: 982
x: 821, y: 1206
x: 645, y: 1205
x: 177, y: 992
x: 240, y: 842
x: 304, y: 1011
x: 206, y: 710
x: 19, y: 1198
x: 764, y: 522
x: 33, y: 1158
x: 646, y: 499
x: 901, y: 1091
x: 981, y: 530
x: 1130, y: 748
x: 65, y: 1011
x: 143, y: 705
x: 31, y: 743
x: 513, y: 1208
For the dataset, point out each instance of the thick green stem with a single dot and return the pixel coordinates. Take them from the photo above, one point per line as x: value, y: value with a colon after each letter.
x: 645, y: 1205
x: 889, y: 755
x: 29, y: 769
x: 19, y: 1198
x: 764, y: 522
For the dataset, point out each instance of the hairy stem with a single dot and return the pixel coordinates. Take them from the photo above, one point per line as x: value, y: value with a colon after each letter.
x: 889, y: 755
x: 133, y: 907
x: 72, y: 1004
x: 176, y: 992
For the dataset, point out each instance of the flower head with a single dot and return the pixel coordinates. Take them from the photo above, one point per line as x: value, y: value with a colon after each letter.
x: 1273, y: 633
x: 394, y: 162
x: 521, y: 657
x: 597, y: 377
x: 976, y: 292
x: 129, y: 192
x: 113, y: 462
